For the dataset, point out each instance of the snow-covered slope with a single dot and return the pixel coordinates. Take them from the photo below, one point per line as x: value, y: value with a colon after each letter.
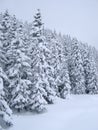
x: 77, y: 113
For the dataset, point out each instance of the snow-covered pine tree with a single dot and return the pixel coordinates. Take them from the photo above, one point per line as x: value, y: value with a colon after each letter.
x: 63, y: 82
x: 51, y: 57
x: 62, y: 79
x: 13, y: 28
x: 4, y: 30
x: 90, y: 71
x: 18, y: 69
x: 26, y: 38
x: 5, y: 111
x: 56, y: 60
x: 76, y: 70
x: 40, y: 65
x: 95, y: 56
x: 93, y: 86
x: 19, y: 74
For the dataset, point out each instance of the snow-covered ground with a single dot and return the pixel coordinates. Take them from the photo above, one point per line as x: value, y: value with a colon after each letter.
x: 80, y: 112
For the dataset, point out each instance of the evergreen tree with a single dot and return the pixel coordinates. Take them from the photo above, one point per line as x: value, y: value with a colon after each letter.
x: 5, y: 111
x: 5, y: 30
x: 41, y: 79
x: 76, y: 70
x: 58, y: 62
x: 19, y: 74
x: 90, y: 71
x: 63, y: 82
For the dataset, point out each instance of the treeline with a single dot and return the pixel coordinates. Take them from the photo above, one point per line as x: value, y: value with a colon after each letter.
x: 37, y: 65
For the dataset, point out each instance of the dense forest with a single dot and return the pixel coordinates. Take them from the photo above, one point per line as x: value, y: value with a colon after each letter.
x: 38, y: 64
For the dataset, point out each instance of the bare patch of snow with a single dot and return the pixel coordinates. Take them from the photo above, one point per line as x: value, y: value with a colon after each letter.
x: 80, y: 112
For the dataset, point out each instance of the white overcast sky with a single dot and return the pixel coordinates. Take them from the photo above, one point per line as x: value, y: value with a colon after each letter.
x: 79, y: 18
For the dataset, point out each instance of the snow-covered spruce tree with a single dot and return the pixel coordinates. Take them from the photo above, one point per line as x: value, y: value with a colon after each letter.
x: 5, y: 111
x: 18, y: 70
x: 13, y: 28
x: 37, y: 102
x: 62, y: 75
x: 40, y: 66
x: 66, y: 41
x: 63, y: 82
x: 90, y: 71
x: 94, y: 74
x: 56, y: 60
x: 67, y: 46
x: 26, y: 37
x: 19, y: 74
x: 51, y: 58
x: 76, y: 70
x: 5, y: 30
x: 95, y: 56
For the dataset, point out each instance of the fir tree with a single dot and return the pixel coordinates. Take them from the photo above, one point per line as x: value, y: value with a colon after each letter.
x: 41, y: 79
x: 76, y: 69
x: 5, y: 111
x: 90, y: 71
x: 5, y: 30
x: 19, y: 74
